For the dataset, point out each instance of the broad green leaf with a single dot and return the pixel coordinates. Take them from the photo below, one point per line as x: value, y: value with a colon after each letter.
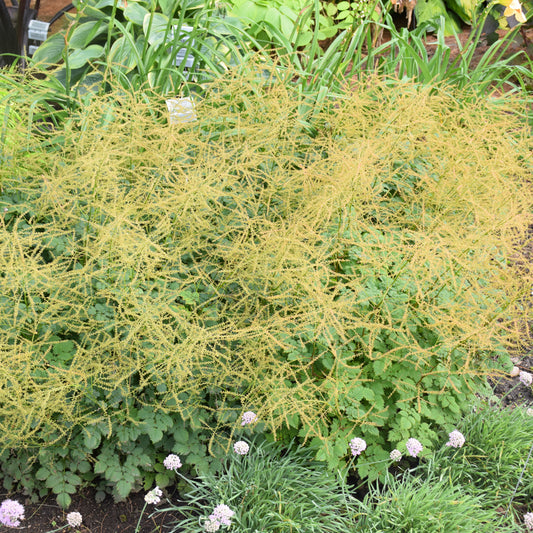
x: 42, y: 474
x: 106, y: 3
x: 51, y: 51
x: 159, y: 30
x: 85, y: 33
x: 162, y: 480
x: 54, y: 480
x: 79, y: 58
x: 331, y: 9
x: 113, y: 474
x: 135, y: 13
x: 92, y: 440
x: 123, y: 54
x: 168, y: 7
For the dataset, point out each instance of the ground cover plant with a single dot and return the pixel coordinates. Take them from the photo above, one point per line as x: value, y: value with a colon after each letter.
x: 500, y: 445
x: 353, y: 281
x: 268, y: 488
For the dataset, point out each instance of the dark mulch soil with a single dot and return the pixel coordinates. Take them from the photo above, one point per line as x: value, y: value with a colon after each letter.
x: 105, y: 517
x: 510, y: 390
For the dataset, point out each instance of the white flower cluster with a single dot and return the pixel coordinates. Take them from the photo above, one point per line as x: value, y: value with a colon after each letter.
x: 211, y: 525
x: 154, y: 496
x: 248, y: 418
x: 221, y: 515
x: 414, y: 447
x: 526, y: 378
x: 241, y: 447
x: 357, y: 446
x: 11, y: 513
x: 456, y: 439
x: 172, y: 462
x: 396, y: 455
x: 528, y: 521
x: 74, y: 519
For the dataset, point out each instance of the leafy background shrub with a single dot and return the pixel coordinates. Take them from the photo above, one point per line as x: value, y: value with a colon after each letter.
x: 141, y: 43
x: 158, y: 281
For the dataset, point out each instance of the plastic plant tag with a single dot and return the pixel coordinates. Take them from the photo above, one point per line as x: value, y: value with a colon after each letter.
x: 184, y: 37
x: 38, y: 30
x: 181, y: 110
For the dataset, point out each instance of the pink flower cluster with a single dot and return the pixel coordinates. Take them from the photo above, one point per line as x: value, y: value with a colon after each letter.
x: 457, y: 439
x: 11, y: 513
x: 526, y: 378
x: 154, y: 496
x: 248, y: 418
x: 414, y: 447
x: 74, y: 519
x: 221, y: 516
x: 241, y: 447
x: 396, y: 455
x: 172, y: 462
x: 357, y: 446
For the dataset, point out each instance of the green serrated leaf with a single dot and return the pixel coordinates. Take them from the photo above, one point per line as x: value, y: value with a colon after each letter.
x: 123, y: 488
x: 63, y: 500
x: 42, y: 474
x: 162, y: 480
x: 155, y: 434
x: 54, y: 480
x: 113, y: 474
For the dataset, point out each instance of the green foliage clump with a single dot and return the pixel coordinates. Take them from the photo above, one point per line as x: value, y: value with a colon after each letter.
x: 496, y: 458
x: 270, y: 489
x: 156, y: 281
x: 141, y: 44
x: 427, y: 505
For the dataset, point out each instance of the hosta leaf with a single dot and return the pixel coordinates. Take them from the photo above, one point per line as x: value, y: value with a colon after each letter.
x: 51, y: 51
x: 85, y: 33
x: 79, y: 58
x: 135, y: 13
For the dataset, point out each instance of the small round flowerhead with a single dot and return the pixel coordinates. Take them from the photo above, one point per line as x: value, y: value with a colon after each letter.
x: 222, y: 514
x: 414, y: 447
x: 396, y: 455
x: 528, y: 521
x: 11, y: 513
x: 154, y: 496
x: 211, y: 525
x: 357, y: 446
x: 248, y: 418
x: 172, y: 462
x: 514, y: 372
x: 241, y: 447
x: 526, y: 378
x: 74, y: 519
x: 457, y: 439
x: 529, y: 411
